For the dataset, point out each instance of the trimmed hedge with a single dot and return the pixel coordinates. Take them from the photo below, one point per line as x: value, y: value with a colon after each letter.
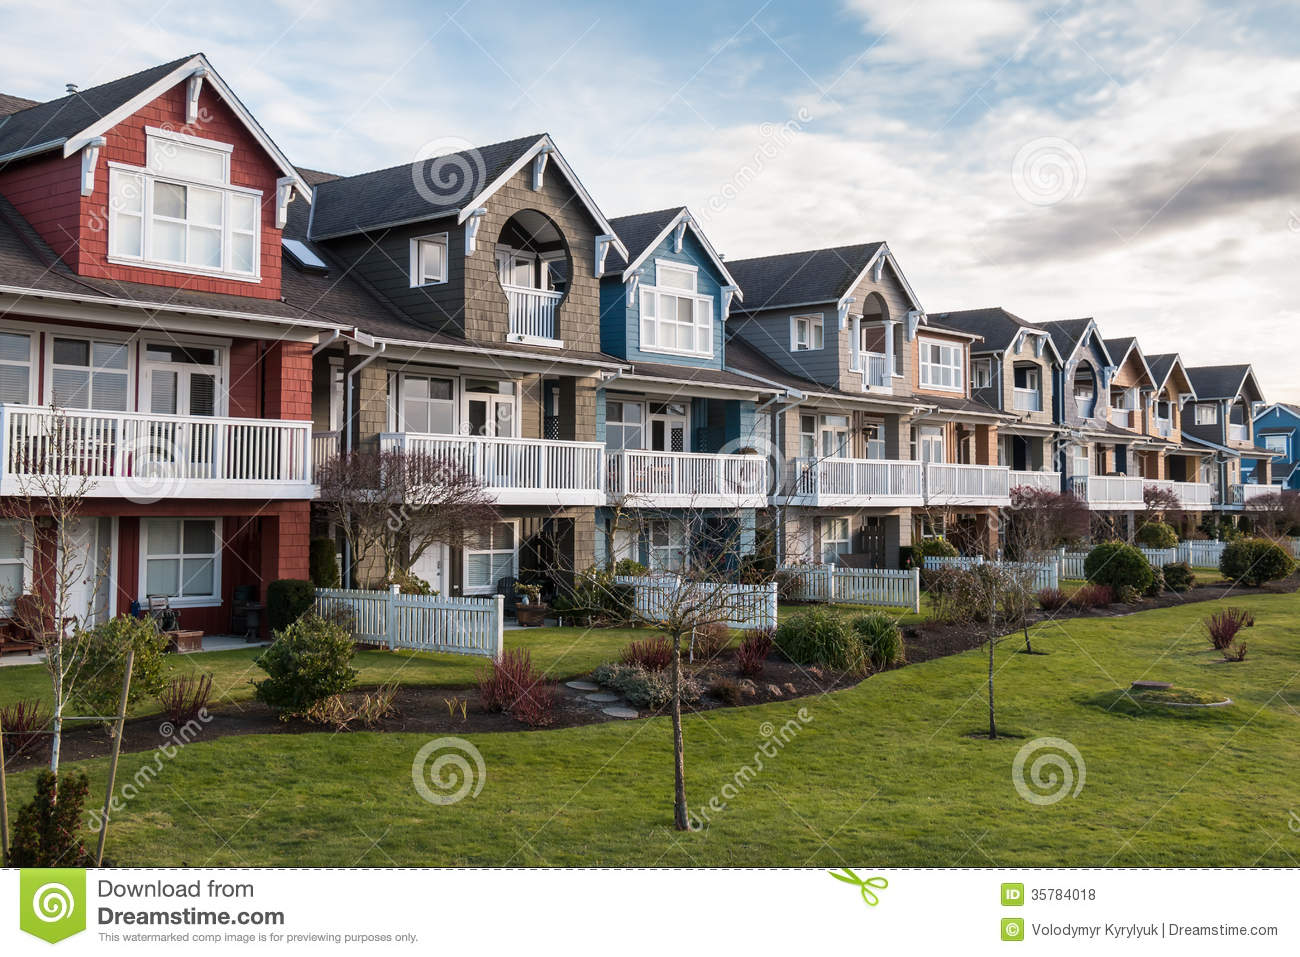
x: 934, y: 547
x: 1117, y: 564
x: 1157, y: 535
x: 1253, y: 561
x: 309, y: 660
x: 1179, y: 576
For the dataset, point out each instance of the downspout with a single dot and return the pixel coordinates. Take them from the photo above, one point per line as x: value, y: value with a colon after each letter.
x: 348, y: 399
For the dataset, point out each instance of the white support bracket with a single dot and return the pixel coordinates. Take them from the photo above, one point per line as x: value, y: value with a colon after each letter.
x: 89, y: 160
x: 679, y: 236
x: 283, y: 197
x: 1040, y: 343
x: 728, y: 296
x: 844, y: 311
x: 539, y: 166
x: 914, y: 319
x: 192, y: 96
x: 878, y: 269
x: 603, y: 242
x: 633, y: 284
x: 472, y: 224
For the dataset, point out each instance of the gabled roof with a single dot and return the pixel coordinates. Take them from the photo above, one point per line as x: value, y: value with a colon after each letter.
x: 73, y: 121
x: 12, y: 104
x: 999, y: 328
x: 643, y: 233
x: 435, y: 187
x: 812, y: 277
x: 1222, y: 382
x: 1068, y: 333
x: 1120, y: 348
x: 1287, y: 407
x: 1162, y: 367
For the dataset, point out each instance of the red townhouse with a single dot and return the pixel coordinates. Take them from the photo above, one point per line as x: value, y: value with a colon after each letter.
x: 155, y: 350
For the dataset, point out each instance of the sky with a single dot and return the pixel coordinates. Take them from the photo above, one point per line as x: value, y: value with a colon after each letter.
x: 1138, y: 162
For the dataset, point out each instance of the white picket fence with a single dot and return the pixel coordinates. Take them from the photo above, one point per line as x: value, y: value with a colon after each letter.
x: 1159, y: 557
x: 460, y: 626
x: 1046, y: 574
x: 1204, y: 554
x: 884, y: 587
x: 1070, y: 564
x: 744, y: 606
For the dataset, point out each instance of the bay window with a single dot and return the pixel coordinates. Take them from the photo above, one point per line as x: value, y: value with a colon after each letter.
x: 182, y: 212
x: 674, y: 317
x: 942, y: 366
x: 490, y: 555
x: 181, y: 559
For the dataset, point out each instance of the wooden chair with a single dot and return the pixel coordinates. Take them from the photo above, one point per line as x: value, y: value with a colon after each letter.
x: 9, y: 639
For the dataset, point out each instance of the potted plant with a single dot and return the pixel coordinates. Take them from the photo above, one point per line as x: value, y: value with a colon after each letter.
x: 528, y: 594
x: 531, y: 611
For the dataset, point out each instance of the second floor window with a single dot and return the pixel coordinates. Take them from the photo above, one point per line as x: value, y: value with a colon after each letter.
x: 674, y: 317
x: 1276, y: 442
x: 16, y: 378
x: 1207, y: 413
x: 428, y: 405
x: 429, y: 260
x: 623, y: 425
x: 89, y: 374
x: 982, y: 373
x: 806, y: 332
x: 181, y: 211
x: 941, y: 366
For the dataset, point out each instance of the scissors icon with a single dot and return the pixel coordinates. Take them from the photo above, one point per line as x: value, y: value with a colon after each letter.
x: 868, y: 895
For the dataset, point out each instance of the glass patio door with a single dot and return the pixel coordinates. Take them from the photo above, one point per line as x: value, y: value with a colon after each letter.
x: 182, y: 381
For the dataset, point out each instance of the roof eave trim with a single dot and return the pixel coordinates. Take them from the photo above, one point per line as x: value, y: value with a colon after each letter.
x: 33, y: 150
x: 684, y: 214
x: 885, y: 251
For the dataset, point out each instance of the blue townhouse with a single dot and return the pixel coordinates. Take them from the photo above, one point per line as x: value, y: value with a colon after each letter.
x: 1277, y: 428
x: 687, y: 469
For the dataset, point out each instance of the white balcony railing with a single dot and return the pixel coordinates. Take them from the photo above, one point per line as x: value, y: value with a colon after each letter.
x: 324, y: 446
x: 1047, y: 481
x: 646, y: 479
x: 1027, y: 400
x: 1191, y: 495
x: 947, y: 484
x: 532, y: 311
x: 147, y: 457
x: 847, y: 482
x: 1109, y: 491
x: 1164, y: 428
x: 1238, y: 433
x: 1244, y: 494
x: 516, y: 471
x: 1123, y: 418
x: 876, y: 373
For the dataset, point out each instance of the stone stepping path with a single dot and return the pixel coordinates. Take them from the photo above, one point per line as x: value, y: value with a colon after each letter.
x: 619, y: 711
x: 603, y: 697
x: 582, y: 685
x: 610, y: 704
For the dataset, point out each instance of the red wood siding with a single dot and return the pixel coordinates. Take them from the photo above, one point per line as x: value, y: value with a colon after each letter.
x: 47, y: 191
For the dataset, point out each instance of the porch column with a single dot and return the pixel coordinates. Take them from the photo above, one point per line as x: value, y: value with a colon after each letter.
x: 986, y: 445
x: 578, y: 409
x: 889, y: 348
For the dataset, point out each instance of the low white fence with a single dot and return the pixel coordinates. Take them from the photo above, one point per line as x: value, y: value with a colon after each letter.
x: 1204, y: 554
x: 884, y: 587
x: 744, y: 606
x: 1046, y: 574
x: 1160, y: 557
x: 460, y: 626
x: 1070, y: 564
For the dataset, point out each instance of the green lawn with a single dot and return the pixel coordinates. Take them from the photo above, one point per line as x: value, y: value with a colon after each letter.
x: 561, y: 652
x: 885, y: 774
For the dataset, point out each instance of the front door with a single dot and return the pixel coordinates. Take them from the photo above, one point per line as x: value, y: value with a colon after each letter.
x: 431, y: 567
x: 89, y: 594
x: 668, y: 424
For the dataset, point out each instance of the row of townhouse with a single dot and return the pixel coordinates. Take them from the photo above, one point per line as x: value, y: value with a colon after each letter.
x: 210, y: 320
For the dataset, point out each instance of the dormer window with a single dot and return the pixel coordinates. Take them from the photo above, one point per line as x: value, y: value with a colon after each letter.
x: 181, y: 213
x: 941, y: 366
x: 674, y: 317
x: 1207, y: 413
x: 982, y: 373
x: 806, y: 333
x: 429, y: 260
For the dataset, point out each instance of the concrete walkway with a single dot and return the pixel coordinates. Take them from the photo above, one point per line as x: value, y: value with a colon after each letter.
x: 210, y: 643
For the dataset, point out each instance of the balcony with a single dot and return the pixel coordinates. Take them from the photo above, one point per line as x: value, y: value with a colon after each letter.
x: 1027, y: 400
x: 324, y: 446
x: 644, y: 479
x: 1164, y: 428
x: 947, y: 484
x: 532, y: 314
x: 1103, y: 492
x: 1193, y: 496
x: 146, y: 457
x: 1123, y: 418
x: 875, y: 370
x: 1245, y: 494
x: 1047, y: 481
x: 516, y: 471
x: 852, y: 482
x: 1238, y: 433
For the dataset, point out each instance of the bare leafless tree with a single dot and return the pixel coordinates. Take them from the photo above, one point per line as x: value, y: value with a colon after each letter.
x: 1274, y: 514
x: 1040, y: 520
x: 393, y: 505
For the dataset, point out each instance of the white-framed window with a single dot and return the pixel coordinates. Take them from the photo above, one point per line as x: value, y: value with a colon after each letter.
x: 675, y: 319
x: 835, y: 539
x: 1207, y: 413
x: 429, y: 260
x: 1276, y: 442
x: 808, y: 436
x: 181, y: 558
x: 17, y: 360
x: 874, y: 435
x: 807, y: 333
x: 13, y: 563
x: 941, y: 366
x: 834, y: 436
x: 491, y: 554
x: 929, y: 443
x: 624, y: 424
x: 181, y: 212
x: 668, y: 545
x: 428, y: 405
x: 1079, y: 459
x: 982, y: 373
x: 89, y: 374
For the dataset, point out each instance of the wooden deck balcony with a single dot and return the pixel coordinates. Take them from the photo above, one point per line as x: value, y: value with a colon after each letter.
x: 849, y: 482
x: 1047, y: 481
x: 644, y: 479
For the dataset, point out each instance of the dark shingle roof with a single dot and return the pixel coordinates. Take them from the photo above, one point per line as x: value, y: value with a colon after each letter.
x: 12, y: 104
x: 56, y: 120
x: 812, y: 276
x: 703, y: 376
x: 998, y: 327
x: 1118, y: 348
x: 1066, y: 334
x: 425, y: 189
x: 1217, y: 382
x: 638, y: 231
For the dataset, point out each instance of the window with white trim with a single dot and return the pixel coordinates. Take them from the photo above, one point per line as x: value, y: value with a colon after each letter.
x: 1079, y: 459
x: 429, y: 260
x: 1207, y: 413
x: 807, y: 333
x: 1276, y: 442
x: 941, y: 366
x: 16, y: 379
x: 182, y: 212
x: 428, y: 405
x: 89, y: 374
x: 982, y: 373
x: 668, y: 547
x: 13, y: 562
x: 674, y: 317
x: 623, y: 425
x: 874, y: 435
x: 181, y: 559
x: 835, y: 539
x: 490, y: 555
x: 808, y: 436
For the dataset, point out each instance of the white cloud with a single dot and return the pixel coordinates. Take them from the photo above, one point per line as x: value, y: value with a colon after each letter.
x: 964, y: 33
